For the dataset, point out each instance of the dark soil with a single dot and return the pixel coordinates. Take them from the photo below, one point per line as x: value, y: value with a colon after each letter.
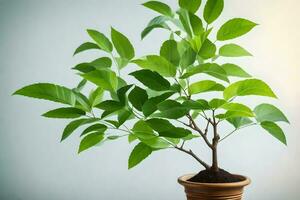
x: 208, y: 176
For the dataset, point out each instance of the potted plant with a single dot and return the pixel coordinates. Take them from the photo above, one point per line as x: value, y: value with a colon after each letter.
x: 165, y: 107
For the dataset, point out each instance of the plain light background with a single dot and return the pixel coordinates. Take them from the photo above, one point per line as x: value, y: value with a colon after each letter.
x: 37, y: 39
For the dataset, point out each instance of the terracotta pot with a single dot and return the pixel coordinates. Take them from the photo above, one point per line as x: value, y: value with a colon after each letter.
x: 213, y: 191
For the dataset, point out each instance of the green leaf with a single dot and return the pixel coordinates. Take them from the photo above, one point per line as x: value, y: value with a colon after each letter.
x: 90, y: 141
x: 157, y: 143
x: 72, y: 126
x: 274, y: 130
x: 113, y: 122
x: 234, y: 28
x: 188, y: 58
x: 157, y: 22
x: 169, y: 51
x: 100, y: 128
x: 104, y: 78
x: 82, y: 102
x: 122, y: 62
x: 268, y: 112
x: 143, y: 131
x: 121, y: 93
x: 216, y: 103
x: 81, y: 85
x: 122, y: 44
x: 212, y: 69
x: 95, y: 96
x: 138, y: 97
x: 212, y: 10
x: 233, y: 50
x: 110, y: 105
x: 168, y: 104
x: 200, y: 104
x: 101, y: 40
x: 248, y: 87
x: 184, y: 18
x: 131, y: 138
x: 190, y: 5
x: 100, y: 63
x: 150, y: 106
x: 86, y: 46
x: 196, y: 25
x: 238, y: 122
x: 64, y: 113
x: 234, y: 70
x: 48, y: 91
x: 158, y: 64
x: 171, y: 109
x: 166, y: 129
x: 139, y: 153
x: 159, y: 7
x: 205, y: 86
x: 124, y: 115
x: 152, y: 80
x: 84, y: 67
x: 240, y: 108
x: 207, y: 50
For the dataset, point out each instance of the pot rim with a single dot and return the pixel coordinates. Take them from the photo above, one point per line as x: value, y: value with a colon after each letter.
x: 183, y: 181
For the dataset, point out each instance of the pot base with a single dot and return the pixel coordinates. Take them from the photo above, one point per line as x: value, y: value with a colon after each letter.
x: 213, y: 191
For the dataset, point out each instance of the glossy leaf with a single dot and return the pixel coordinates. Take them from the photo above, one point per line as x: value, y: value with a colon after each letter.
x: 122, y: 44
x: 169, y: 51
x: 86, y: 46
x: 233, y: 50
x: 166, y: 129
x: 152, y: 80
x: 168, y: 104
x: 64, y: 113
x: 212, y: 69
x: 156, y: 143
x: 234, y: 70
x: 95, y: 96
x: 188, y: 58
x: 138, y: 97
x: 235, y: 28
x: 268, y: 112
x: 72, y: 126
x: 101, y: 40
x: 139, y: 153
x: 190, y: 5
x: 238, y: 122
x: 103, y: 78
x: 150, y: 106
x: 205, y: 86
x: 121, y: 93
x: 158, y: 64
x: 90, y: 141
x: 207, y: 50
x: 216, y: 103
x: 157, y: 22
x: 196, y: 105
x: 240, y: 108
x: 143, y: 131
x: 159, y: 7
x: 124, y: 115
x: 212, y: 10
x: 110, y: 105
x: 248, y: 87
x: 274, y: 130
x: 99, y: 128
x: 49, y: 92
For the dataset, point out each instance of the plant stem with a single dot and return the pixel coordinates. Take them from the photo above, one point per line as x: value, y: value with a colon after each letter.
x: 196, y: 128
x: 191, y: 153
x: 215, y: 142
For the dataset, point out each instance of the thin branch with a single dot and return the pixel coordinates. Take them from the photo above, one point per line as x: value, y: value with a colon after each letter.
x: 191, y: 153
x: 232, y: 132
x: 196, y: 128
